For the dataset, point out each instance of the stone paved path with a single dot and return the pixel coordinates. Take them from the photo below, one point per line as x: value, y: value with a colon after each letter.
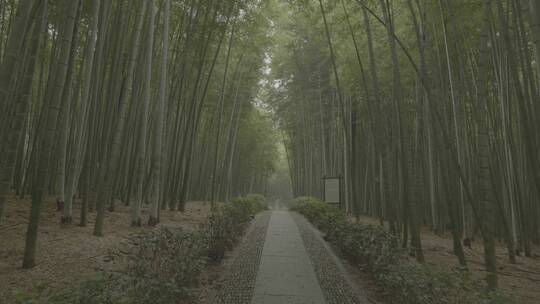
x: 285, y: 260
x: 286, y: 274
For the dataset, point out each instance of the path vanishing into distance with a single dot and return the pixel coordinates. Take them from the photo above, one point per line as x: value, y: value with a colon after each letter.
x: 283, y: 259
x: 128, y: 124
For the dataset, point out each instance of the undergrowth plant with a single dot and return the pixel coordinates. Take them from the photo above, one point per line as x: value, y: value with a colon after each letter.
x: 401, y: 279
x: 165, y: 266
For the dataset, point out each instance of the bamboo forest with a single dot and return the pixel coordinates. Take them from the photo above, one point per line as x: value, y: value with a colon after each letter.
x: 270, y: 151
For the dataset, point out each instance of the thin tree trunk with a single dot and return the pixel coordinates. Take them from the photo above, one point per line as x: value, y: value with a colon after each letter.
x: 141, y: 146
x: 486, y: 192
x: 220, y: 120
x: 160, y: 114
x: 47, y: 139
x: 107, y: 172
x: 12, y: 55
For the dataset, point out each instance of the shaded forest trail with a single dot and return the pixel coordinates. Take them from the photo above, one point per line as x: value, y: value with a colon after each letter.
x: 292, y: 264
x: 120, y: 117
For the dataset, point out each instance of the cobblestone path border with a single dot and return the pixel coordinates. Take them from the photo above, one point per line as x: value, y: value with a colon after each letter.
x: 335, y: 284
x: 239, y: 278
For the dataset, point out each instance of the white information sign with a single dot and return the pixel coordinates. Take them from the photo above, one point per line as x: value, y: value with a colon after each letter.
x: 332, y: 189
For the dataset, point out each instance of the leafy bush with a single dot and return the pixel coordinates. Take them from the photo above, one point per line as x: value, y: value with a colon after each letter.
x: 102, y: 289
x: 105, y: 289
x: 256, y: 198
x: 401, y: 279
x: 43, y: 294
x: 166, y: 265
x: 226, y: 224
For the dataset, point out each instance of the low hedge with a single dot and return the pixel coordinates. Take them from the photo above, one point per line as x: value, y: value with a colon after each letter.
x: 227, y: 222
x: 166, y: 263
x: 401, y: 279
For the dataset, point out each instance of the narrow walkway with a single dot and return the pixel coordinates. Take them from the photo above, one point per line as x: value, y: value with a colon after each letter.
x: 286, y: 273
x: 283, y: 259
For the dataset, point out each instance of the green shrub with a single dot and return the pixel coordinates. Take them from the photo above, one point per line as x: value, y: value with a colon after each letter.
x: 227, y: 223
x: 105, y: 289
x: 42, y: 294
x: 257, y: 198
x: 252, y: 203
x: 166, y: 265
x: 102, y: 289
x: 401, y: 279
x: 221, y: 230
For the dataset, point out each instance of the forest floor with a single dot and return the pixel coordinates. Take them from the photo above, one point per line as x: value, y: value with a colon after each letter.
x: 67, y: 255
x: 521, y: 280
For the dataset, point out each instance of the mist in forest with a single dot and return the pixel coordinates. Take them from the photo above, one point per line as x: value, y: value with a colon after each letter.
x: 142, y: 142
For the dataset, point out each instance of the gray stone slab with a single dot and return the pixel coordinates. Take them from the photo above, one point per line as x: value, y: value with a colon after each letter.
x: 279, y: 299
x: 278, y: 265
x: 288, y: 284
x: 286, y: 274
x: 287, y: 247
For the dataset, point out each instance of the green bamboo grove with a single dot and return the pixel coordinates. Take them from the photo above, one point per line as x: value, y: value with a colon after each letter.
x: 427, y: 109
x: 134, y: 102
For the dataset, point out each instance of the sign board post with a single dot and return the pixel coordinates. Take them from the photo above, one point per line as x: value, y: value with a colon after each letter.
x: 332, y: 190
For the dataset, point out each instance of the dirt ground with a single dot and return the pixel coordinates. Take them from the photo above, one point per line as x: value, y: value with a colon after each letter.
x: 69, y: 254
x: 521, y: 280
